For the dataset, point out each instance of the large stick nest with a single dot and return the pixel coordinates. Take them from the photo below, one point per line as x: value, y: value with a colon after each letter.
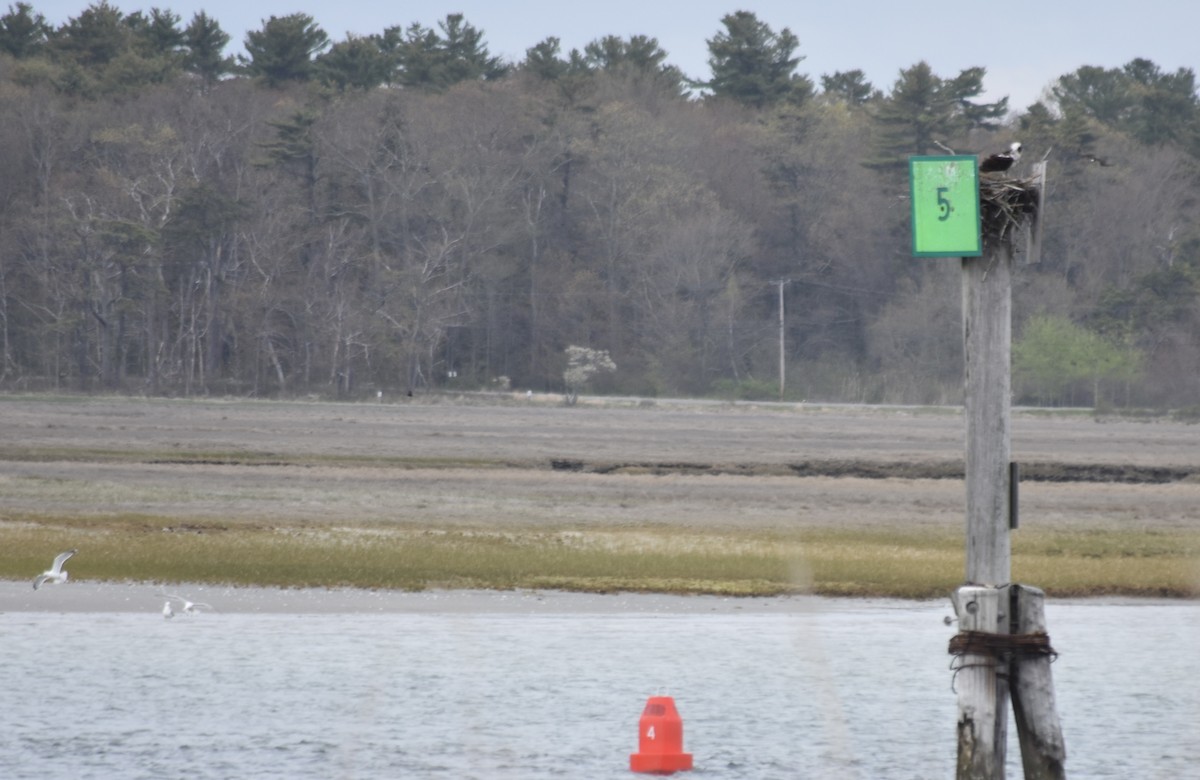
x: 1006, y: 205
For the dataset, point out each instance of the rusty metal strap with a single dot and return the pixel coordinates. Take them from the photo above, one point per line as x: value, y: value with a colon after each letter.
x: 1001, y: 645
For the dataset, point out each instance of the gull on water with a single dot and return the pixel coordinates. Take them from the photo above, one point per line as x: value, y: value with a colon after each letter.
x: 187, y: 607
x: 168, y: 613
x: 55, y: 574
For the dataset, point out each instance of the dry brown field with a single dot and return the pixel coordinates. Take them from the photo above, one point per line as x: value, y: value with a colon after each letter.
x: 523, y: 462
x: 535, y: 463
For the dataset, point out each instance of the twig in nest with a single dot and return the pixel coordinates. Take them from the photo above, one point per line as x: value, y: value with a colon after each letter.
x: 1004, y: 205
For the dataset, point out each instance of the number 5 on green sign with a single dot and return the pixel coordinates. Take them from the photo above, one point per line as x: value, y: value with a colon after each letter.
x: 943, y: 203
x: 945, y: 206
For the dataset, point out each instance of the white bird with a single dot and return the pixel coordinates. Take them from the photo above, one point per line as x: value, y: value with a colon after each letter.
x: 55, y: 573
x: 168, y: 613
x: 189, y: 607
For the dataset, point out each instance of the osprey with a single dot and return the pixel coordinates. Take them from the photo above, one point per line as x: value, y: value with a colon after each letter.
x: 1001, y: 161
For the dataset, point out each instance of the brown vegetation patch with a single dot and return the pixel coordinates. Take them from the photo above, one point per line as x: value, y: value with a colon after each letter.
x: 287, y: 476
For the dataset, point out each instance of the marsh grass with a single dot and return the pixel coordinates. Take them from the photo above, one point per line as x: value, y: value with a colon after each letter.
x: 873, y: 562
x: 1094, y: 562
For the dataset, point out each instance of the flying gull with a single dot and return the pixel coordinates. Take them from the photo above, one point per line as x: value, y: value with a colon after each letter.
x: 55, y: 574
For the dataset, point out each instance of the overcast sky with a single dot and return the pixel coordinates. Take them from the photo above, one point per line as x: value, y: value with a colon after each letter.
x: 1024, y: 45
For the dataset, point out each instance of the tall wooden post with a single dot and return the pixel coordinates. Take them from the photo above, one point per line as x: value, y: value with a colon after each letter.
x: 982, y: 605
x: 1002, y: 634
x: 987, y: 346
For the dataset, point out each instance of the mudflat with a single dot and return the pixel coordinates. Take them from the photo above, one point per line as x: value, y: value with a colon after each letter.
x: 446, y: 462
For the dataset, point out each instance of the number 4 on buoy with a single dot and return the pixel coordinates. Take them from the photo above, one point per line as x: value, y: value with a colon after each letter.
x: 660, y: 745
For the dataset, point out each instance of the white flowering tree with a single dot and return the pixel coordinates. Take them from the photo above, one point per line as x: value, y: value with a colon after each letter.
x: 582, y: 364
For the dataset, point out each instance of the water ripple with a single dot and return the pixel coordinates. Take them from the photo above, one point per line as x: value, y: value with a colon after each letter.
x: 849, y: 689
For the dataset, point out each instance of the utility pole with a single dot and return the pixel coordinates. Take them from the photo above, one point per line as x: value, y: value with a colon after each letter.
x: 782, y: 362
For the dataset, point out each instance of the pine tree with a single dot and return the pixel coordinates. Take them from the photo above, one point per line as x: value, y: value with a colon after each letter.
x: 638, y: 56
x: 1138, y: 99
x: 543, y: 60
x: 23, y: 33
x: 1166, y: 109
x: 755, y: 66
x: 1101, y: 93
x: 204, y: 41
x: 355, y: 63
x: 94, y: 38
x: 925, y: 113
x: 157, y: 35
x: 850, y: 87
x: 437, y: 61
x: 283, y: 49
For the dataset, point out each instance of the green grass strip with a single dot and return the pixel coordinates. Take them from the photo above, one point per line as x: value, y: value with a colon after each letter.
x: 828, y: 562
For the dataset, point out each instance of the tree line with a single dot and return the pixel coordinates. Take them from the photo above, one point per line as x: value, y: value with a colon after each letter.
x: 404, y: 211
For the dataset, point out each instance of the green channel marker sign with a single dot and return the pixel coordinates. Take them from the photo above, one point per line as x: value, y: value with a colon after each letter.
x: 945, y: 206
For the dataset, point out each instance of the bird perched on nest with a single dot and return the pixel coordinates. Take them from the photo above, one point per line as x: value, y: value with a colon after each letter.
x: 1001, y: 161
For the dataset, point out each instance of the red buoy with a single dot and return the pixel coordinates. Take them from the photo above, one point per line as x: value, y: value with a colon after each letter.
x: 660, y: 740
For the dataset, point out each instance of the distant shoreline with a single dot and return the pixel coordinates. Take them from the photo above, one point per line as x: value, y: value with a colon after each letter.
x: 17, y: 596
x: 86, y: 596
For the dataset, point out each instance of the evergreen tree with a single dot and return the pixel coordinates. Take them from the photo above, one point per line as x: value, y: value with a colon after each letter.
x: 294, y: 146
x: 543, y: 60
x: 572, y: 76
x: 1097, y: 92
x: 639, y: 56
x: 612, y: 52
x: 437, y: 61
x: 355, y: 63
x: 23, y: 33
x: 204, y: 42
x: 102, y: 51
x: 963, y: 89
x: 753, y: 65
x: 94, y: 38
x: 283, y: 49
x: 924, y: 110
x: 1154, y: 304
x: 1138, y: 99
x: 1073, y: 135
x: 466, y: 54
x: 157, y: 35
x: 1166, y: 108
x: 850, y: 87
x: 294, y: 152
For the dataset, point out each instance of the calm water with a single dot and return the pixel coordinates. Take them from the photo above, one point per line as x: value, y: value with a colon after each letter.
x: 820, y: 689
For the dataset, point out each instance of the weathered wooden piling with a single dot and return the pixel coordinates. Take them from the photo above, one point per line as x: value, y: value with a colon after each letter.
x: 987, y: 350
x: 1043, y: 751
x: 981, y: 684
x: 1002, y: 651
